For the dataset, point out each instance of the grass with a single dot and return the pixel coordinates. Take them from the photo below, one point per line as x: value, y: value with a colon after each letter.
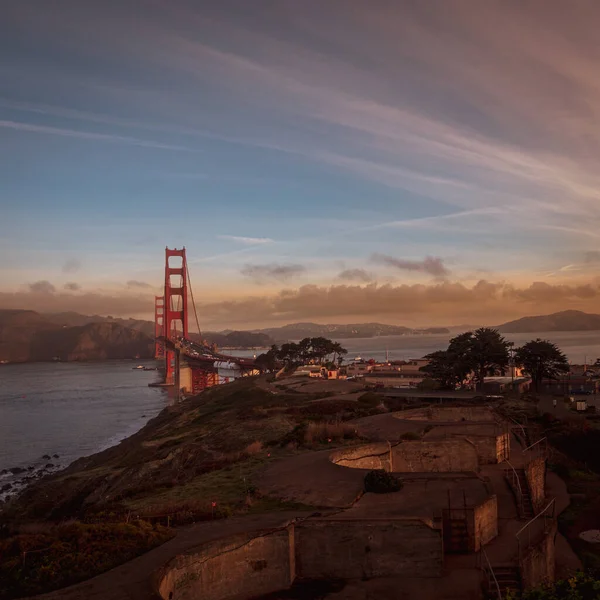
x: 51, y: 558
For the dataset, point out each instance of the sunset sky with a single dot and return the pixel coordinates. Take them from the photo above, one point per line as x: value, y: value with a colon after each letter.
x: 328, y: 160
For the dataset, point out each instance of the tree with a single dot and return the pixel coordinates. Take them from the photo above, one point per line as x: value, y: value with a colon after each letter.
x: 268, y: 361
x: 488, y: 353
x: 483, y: 352
x: 451, y: 367
x: 541, y: 359
x: 441, y: 369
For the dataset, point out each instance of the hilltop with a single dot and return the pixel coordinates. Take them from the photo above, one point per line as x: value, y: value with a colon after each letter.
x: 566, y: 320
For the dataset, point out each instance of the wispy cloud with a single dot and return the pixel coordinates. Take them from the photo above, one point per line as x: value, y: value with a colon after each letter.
x: 431, y: 265
x: 248, y: 241
x: 88, y: 135
x: 133, y: 284
x: 273, y: 271
x: 42, y: 287
x: 72, y: 286
x: 71, y: 265
x: 359, y: 275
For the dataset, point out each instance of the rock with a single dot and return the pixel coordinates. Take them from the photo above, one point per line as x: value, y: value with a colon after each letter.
x: 49, y: 466
x: 4, y: 472
x: 46, y: 457
x: 55, y: 456
x: 16, y: 470
x: 30, y: 468
x: 5, y: 487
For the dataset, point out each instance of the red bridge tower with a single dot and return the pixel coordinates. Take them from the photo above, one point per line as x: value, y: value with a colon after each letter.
x: 159, y: 306
x: 175, y: 307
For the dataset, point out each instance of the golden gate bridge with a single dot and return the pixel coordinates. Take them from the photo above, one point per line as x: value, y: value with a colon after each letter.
x: 190, y: 366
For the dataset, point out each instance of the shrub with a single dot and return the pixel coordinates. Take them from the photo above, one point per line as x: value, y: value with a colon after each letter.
x: 253, y: 448
x: 381, y: 482
x: 326, y: 432
x: 370, y: 398
x: 32, y: 563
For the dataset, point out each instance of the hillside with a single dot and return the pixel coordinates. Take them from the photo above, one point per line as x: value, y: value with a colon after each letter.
x: 296, y: 331
x: 567, y: 320
x: 28, y: 336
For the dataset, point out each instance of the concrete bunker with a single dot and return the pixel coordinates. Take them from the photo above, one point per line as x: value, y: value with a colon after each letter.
x: 259, y: 563
x: 477, y: 424
x: 422, y: 456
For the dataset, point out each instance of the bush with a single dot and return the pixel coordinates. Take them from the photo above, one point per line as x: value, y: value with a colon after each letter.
x: 370, y: 398
x: 32, y: 563
x: 381, y: 482
x: 327, y: 432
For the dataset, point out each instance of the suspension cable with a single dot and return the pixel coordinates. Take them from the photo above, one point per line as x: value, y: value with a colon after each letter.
x: 192, y: 296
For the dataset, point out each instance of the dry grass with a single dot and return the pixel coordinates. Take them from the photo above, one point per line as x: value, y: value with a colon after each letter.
x: 329, y: 432
x: 253, y: 448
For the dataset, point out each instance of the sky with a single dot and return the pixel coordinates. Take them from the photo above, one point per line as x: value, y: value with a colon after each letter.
x: 417, y: 163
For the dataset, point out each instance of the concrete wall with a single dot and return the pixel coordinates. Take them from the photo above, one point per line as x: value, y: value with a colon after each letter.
x: 368, y: 456
x: 255, y: 564
x: 436, y: 456
x: 427, y: 456
x: 242, y: 564
x: 448, y: 414
x: 535, y: 472
x: 485, y: 522
x: 349, y: 549
x: 538, y: 562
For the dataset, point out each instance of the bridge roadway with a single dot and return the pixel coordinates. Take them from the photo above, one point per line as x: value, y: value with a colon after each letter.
x: 204, y: 356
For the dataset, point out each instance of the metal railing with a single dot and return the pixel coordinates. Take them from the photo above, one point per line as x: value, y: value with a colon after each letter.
x: 515, y: 484
x: 528, y: 526
x: 539, y: 448
x: 490, y: 571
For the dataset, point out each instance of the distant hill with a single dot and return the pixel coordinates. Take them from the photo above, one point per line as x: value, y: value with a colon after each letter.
x: 567, y: 320
x: 73, y: 319
x: 28, y: 336
x: 296, y: 331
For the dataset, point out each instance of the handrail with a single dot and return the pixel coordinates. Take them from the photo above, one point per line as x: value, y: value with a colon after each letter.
x: 535, y: 444
x: 519, y: 489
x: 521, y: 427
x: 551, y: 503
x: 527, y: 525
x: 489, y: 566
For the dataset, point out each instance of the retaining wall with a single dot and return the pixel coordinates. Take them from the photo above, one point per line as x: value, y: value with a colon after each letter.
x: 436, y: 456
x: 246, y: 564
x: 485, y: 522
x: 535, y: 472
x: 249, y: 565
x: 447, y: 414
x: 538, y: 562
x: 427, y: 456
x: 347, y: 549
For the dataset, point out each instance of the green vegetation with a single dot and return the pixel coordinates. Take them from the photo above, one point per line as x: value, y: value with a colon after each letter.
x: 483, y: 352
x: 308, y: 350
x: 541, y: 360
x: 54, y: 557
x: 381, y: 482
x: 582, y: 586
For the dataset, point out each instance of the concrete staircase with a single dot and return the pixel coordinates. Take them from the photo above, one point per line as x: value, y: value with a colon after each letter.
x: 508, y: 578
x: 456, y: 536
x: 528, y: 512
